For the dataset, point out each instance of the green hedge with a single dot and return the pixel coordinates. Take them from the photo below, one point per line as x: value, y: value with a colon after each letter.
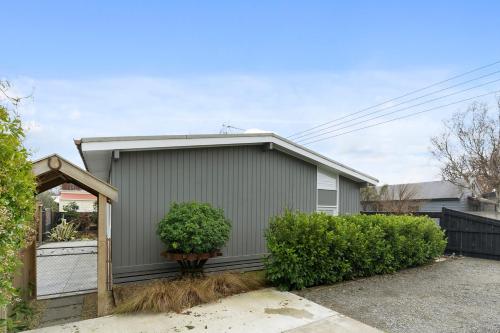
x: 313, y: 249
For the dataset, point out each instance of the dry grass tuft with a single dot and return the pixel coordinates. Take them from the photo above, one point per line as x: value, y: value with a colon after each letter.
x: 177, y: 295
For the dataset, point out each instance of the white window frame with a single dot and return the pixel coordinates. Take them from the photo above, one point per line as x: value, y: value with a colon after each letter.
x: 325, y: 185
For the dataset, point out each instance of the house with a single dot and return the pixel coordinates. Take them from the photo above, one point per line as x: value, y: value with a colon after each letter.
x: 251, y: 176
x: 432, y: 196
x: 71, y: 193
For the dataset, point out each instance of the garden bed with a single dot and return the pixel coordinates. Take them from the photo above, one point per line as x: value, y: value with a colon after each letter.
x: 175, y: 295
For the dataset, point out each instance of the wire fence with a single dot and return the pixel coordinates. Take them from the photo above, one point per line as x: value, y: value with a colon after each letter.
x: 66, y: 268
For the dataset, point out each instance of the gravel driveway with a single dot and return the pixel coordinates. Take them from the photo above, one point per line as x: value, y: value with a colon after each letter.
x: 455, y: 295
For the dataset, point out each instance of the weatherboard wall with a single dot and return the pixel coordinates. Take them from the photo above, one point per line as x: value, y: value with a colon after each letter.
x: 349, y: 196
x: 251, y: 185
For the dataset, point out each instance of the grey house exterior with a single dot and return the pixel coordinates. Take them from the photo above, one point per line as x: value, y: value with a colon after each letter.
x: 252, y: 177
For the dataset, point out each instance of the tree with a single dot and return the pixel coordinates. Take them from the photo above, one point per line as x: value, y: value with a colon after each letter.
x: 47, y: 200
x: 71, y: 211
x: 469, y: 149
x: 17, y: 189
x: 399, y: 198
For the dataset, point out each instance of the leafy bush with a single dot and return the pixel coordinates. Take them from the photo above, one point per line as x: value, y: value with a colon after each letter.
x: 63, y: 232
x: 313, y: 249
x: 71, y: 211
x: 17, y: 200
x: 193, y: 227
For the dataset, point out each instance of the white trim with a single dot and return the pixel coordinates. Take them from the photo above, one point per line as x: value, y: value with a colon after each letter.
x: 169, y: 142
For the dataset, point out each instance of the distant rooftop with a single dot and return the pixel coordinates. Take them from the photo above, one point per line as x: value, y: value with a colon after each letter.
x: 434, y: 190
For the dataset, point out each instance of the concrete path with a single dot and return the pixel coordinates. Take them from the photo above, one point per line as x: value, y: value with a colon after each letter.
x: 266, y: 310
x: 66, y: 268
x: 62, y: 310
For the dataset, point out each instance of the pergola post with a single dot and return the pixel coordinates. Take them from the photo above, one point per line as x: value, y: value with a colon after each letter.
x: 102, y: 255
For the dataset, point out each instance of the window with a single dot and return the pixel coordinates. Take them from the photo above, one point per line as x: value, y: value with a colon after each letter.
x: 327, y: 199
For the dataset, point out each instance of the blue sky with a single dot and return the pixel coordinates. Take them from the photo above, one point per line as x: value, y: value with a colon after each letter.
x: 163, y: 67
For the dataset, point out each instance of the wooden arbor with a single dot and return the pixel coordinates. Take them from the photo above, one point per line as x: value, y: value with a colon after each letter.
x: 52, y: 171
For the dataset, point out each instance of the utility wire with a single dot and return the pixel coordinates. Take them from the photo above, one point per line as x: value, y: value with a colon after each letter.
x: 403, y: 117
x: 397, y: 98
x: 399, y: 110
x: 307, y: 136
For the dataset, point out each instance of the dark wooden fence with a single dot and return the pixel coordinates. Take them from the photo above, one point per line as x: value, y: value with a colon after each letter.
x: 471, y: 235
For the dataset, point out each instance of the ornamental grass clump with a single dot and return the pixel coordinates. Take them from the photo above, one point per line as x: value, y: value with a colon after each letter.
x: 313, y: 249
x: 63, y: 232
x: 180, y: 294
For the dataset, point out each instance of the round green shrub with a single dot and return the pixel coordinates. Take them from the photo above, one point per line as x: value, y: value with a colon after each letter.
x: 193, y: 227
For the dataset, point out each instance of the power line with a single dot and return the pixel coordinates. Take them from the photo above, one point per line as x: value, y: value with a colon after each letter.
x: 307, y: 136
x: 399, y: 110
x: 397, y: 98
x: 403, y: 117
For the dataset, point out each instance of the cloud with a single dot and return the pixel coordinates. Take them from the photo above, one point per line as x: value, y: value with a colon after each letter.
x: 282, y: 103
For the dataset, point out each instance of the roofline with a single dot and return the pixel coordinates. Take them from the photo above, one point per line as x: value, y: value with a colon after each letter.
x: 137, y: 143
x: 78, y: 144
x: 36, y: 165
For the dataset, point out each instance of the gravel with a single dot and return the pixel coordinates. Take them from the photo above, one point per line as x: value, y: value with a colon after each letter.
x: 455, y: 295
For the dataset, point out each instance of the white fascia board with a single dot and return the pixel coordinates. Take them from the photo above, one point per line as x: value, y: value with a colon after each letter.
x: 183, y: 142
x: 336, y: 167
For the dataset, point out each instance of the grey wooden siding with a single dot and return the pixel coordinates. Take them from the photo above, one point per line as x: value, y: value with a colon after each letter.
x: 250, y: 184
x: 349, y: 196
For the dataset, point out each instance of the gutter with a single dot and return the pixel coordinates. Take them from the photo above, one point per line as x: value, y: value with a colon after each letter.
x: 78, y: 143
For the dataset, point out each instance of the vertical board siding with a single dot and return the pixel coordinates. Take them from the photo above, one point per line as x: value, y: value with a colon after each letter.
x: 250, y: 184
x: 349, y: 196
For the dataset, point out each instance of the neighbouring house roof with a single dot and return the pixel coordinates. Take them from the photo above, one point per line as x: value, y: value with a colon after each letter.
x: 77, y: 196
x: 434, y: 190
x: 97, y: 152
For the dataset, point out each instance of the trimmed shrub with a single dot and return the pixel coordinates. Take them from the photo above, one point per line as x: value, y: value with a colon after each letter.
x: 192, y: 227
x: 313, y: 249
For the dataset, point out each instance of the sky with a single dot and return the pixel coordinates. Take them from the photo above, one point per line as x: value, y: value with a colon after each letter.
x: 111, y: 68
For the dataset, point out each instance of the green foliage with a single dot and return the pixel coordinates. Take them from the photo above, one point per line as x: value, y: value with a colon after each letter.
x: 71, y: 211
x: 64, y: 231
x: 193, y: 227
x: 17, y: 200
x: 48, y: 201
x: 24, y: 315
x: 313, y: 249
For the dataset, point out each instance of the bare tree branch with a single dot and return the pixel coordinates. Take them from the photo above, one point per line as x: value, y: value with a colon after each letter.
x: 469, y: 149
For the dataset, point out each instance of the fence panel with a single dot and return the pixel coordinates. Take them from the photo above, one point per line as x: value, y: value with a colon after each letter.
x: 66, y: 268
x: 471, y: 234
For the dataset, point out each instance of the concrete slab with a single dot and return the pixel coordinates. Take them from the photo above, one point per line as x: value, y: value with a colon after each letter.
x: 75, y: 243
x: 335, y: 324
x: 266, y: 310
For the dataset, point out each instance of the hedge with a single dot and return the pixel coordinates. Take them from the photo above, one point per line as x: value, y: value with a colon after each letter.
x: 17, y: 200
x: 314, y: 249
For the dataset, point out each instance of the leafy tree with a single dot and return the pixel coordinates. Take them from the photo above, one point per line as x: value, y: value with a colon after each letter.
x: 71, y: 211
x: 47, y: 200
x: 469, y: 149
x: 17, y: 200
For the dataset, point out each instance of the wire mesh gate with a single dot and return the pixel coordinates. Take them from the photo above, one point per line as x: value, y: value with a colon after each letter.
x: 66, y: 268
